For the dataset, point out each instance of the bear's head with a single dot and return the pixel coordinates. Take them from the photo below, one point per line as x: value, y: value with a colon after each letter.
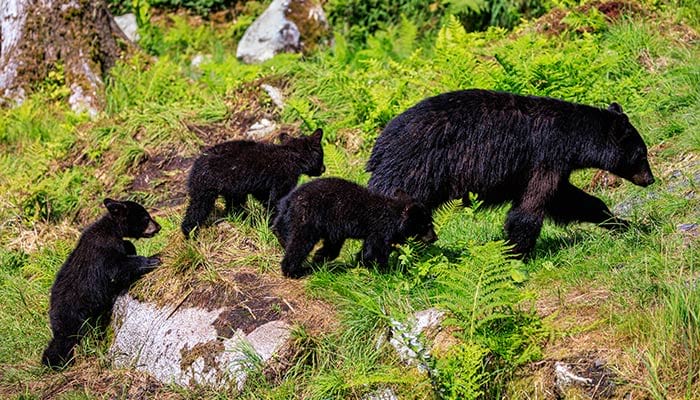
x: 311, y: 151
x: 631, y: 153
x: 416, y: 220
x: 131, y: 218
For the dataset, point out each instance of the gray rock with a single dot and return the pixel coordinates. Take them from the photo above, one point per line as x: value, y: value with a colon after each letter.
x: 275, y: 94
x: 182, y: 346
x: 405, y: 337
x: 198, y: 59
x: 127, y: 23
x: 565, y: 377
x: 261, y: 129
x: 381, y: 394
x: 691, y: 228
x: 285, y: 26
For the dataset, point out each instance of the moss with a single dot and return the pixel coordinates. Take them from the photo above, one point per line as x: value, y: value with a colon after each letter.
x: 207, y: 351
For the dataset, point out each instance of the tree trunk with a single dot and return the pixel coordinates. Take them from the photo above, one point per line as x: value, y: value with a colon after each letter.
x: 39, y: 35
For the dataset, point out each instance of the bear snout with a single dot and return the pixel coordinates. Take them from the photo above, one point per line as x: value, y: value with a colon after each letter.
x: 429, y: 237
x: 643, y: 179
x: 151, y: 229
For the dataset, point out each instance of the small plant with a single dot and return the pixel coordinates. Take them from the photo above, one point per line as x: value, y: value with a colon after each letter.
x: 461, y: 373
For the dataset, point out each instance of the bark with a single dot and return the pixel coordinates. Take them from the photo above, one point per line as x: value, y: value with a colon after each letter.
x: 38, y: 35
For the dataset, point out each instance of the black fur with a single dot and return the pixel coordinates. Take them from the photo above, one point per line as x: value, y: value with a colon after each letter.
x: 101, y: 266
x: 241, y: 167
x: 506, y: 147
x: 334, y: 209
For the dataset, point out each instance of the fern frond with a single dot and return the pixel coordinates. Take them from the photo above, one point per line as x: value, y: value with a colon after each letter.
x: 480, y: 289
x: 335, y: 161
x: 444, y: 213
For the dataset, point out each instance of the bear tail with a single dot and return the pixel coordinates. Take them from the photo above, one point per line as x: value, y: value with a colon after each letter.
x: 58, y: 354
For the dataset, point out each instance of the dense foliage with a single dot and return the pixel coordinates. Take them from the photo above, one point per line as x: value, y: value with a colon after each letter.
x: 631, y: 298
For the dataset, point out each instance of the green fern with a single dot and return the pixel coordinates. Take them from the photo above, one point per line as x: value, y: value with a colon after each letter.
x: 480, y: 290
x: 445, y: 213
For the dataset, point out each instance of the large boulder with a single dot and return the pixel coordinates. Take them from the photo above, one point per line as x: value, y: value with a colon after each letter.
x: 191, y: 332
x: 286, y: 26
x: 190, y: 346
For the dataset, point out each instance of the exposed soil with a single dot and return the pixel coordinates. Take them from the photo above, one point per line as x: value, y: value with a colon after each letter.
x: 597, y: 379
x: 252, y: 299
x: 97, y: 380
x: 585, y: 346
x: 604, y: 180
x: 208, y: 351
x: 553, y: 23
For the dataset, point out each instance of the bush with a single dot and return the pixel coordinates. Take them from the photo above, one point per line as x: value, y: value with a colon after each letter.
x: 201, y: 7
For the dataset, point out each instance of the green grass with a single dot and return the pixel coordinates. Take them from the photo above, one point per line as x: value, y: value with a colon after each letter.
x: 635, y: 293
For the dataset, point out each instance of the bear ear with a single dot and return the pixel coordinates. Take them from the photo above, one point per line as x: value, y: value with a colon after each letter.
x: 284, y: 137
x: 400, y: 194
x: 614, y: 107
x: 114, y: 207
x: 317, y: 135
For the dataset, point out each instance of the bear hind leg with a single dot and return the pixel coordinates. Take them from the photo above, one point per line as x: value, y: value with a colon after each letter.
x: 330, y: 250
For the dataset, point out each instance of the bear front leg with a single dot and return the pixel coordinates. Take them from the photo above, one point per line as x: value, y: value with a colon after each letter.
x: 522, y: 228
x: 133, y: 268
x: 571, y: 204
x: 129, y: 247
x: 524, y: 221
x: 299, y: 245
x: 329, y: 251
x: 233, y: 203
x: 376, y: 250
x: 201, y: 205
x: 59, y: 352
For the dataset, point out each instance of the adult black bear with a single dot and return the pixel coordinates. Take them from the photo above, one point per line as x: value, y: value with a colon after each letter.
x: 506, y: 147
x: 237, y: 168
x: 101, y: 266
x: 334, y: 209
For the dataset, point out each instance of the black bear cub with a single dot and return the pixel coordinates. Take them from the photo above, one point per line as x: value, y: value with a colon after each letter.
x: 237, y: 168
x: 334, y: 209
x: 100, y: 267
x: 508, y: 148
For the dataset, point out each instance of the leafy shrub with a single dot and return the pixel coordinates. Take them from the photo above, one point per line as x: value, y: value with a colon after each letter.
x: 359, y: 19
x: 201, y: 7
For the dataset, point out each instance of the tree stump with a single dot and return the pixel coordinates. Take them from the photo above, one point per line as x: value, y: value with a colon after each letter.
x: 42, y: 35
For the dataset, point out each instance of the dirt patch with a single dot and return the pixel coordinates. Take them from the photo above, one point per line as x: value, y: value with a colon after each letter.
x: 585, y: 375
x: 255, y: 306
x: 253, y: 299
x: 94, y: 379
x: 248, y: 104
x: 207, y: 351
x: 604, y: 180
x: 163, y: 176
x: 554, y: 21
x: 613, y: 10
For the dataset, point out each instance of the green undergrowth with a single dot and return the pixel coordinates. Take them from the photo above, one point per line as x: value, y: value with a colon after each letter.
x: 632, y: 298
